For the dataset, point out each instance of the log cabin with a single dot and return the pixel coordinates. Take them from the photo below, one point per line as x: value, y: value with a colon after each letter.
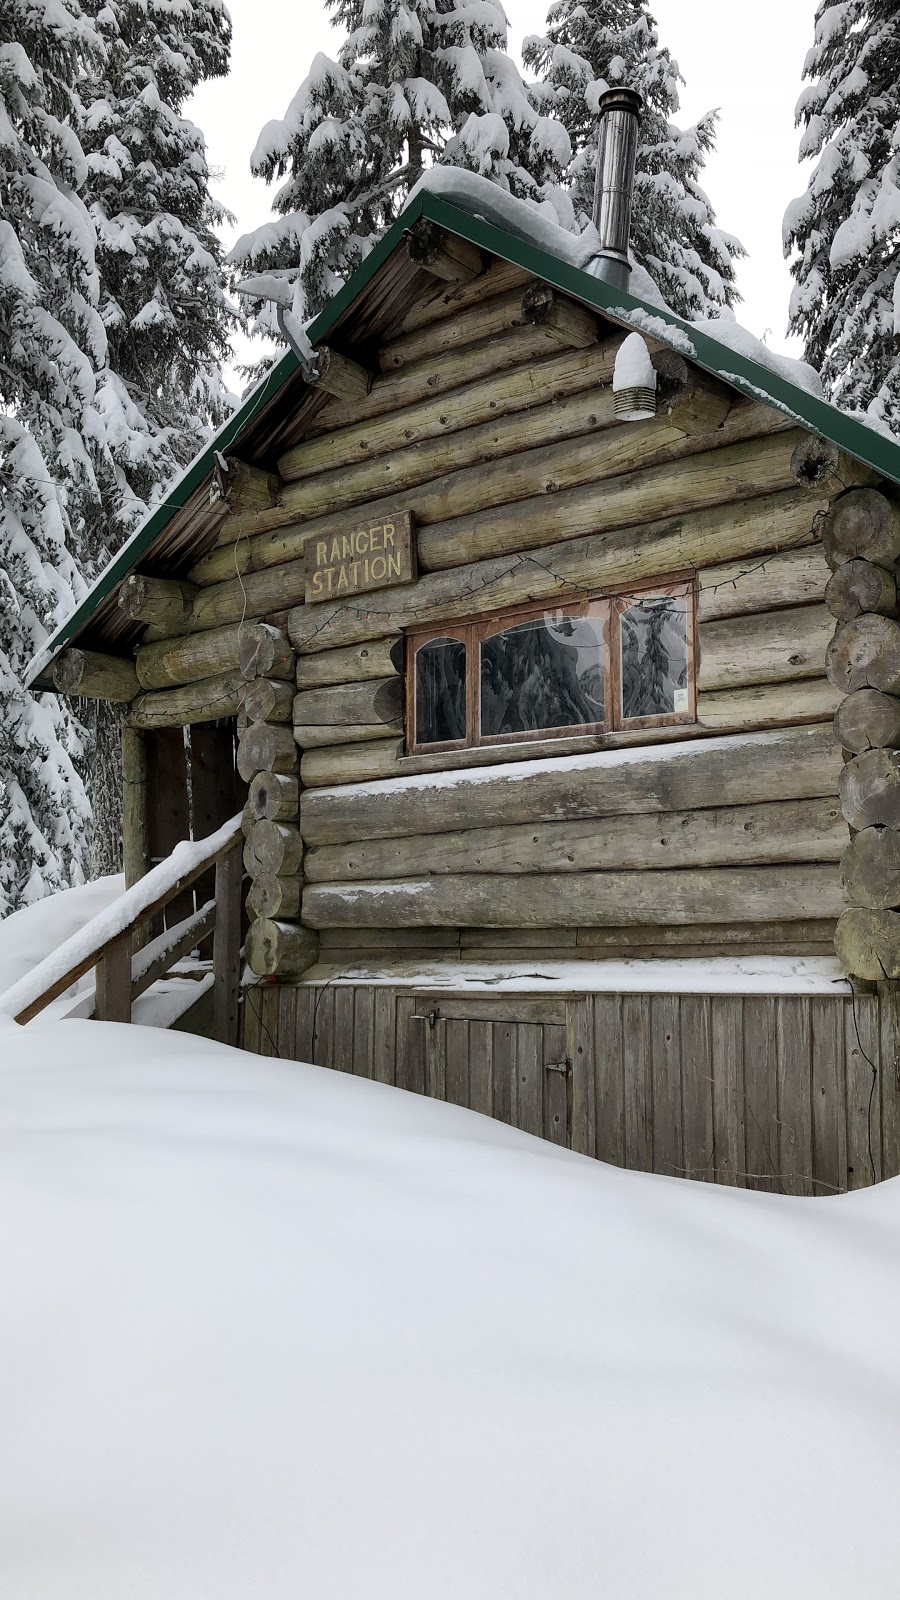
x: 549, y: 646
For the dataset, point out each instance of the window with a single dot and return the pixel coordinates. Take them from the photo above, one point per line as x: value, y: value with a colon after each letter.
x: 620, y: 661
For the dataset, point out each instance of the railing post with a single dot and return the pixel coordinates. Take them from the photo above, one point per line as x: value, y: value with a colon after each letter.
x: 112, y: 1000
x: 227, y: 946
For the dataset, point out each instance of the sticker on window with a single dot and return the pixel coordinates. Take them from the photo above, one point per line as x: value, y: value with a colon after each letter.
x: 680, y: 700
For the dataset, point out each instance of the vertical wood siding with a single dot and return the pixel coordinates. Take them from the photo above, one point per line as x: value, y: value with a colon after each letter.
x: 789, y: 1094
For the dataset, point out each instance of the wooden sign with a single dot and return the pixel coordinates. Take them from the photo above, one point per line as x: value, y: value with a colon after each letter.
x: 370, y: 555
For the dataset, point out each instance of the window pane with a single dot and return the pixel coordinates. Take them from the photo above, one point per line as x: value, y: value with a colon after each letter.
x: 440, y: 691
x: 547, y: 672
x: 654, y: 657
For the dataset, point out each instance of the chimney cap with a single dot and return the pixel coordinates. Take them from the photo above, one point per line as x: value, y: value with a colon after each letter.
x: 621, y: 99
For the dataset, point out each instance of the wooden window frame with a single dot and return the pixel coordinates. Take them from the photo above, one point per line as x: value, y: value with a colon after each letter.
x: 475, y: 629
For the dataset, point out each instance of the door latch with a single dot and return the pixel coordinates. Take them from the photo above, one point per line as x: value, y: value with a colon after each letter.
x: 565, y: 1067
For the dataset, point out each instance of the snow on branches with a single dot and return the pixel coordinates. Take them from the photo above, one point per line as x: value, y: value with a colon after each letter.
x: 845, y: 228
x: 592, y: 45
x: 417, y: 82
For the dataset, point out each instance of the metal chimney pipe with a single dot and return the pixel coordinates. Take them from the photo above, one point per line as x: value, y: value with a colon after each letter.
x: 620, y: 111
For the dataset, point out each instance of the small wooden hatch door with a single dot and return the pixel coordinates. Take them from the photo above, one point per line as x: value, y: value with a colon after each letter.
x: 505, y: 1056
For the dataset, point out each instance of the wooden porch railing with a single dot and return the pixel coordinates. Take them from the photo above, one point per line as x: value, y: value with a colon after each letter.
x: 107, y: 941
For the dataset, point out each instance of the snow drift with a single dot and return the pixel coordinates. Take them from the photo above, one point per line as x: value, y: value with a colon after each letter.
x: 270, y: 1330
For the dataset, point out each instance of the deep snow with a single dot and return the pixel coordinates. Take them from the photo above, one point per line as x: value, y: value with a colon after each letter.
x: 268, y: 1330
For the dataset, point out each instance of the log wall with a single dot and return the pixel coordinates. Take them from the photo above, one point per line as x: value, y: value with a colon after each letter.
x: 772, y: 1093
x: 489, y: 416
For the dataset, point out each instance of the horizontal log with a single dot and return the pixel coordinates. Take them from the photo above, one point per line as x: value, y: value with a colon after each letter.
x: 447, y: 299
x: 559, y: 570
x: 863, y: 523
x: 324, y: 735
x: 869, y: 788
x: 186, y: 660
x: 439, y: 374
x: 486, y: 319
x: 164, y: 603
x: 865, y: 654
x: 820, y: 465
x: 768, y: 894
x: 244, y: 487
x: 268, y: 699
x: 376, y: 700
x: 501, y: 393
x: 768, y: 647
x: 788, y: 578
x: 716, y: 477
x: 245, y: 524
x: 867, y: 720
x: 767, y: 705
x: 553, y: 468
x: 870, y: 869
x: 377, y: 659
x: 265, y: 652
x: 394, y: 943
x: 280, y: 949
x: 271, y: 896
x: 796, y: 763
x: 444, y: 255
x: 203, y: 701
x: 274, y: 797
x: 687, y: 396
x: 859, y: 586
x: 266, y: 747
x: 786, y: 830
x: 340, y: 376
x: 94, y: 676
x: 273, y: 847
x: 868, y: 944
x: 351, y: 763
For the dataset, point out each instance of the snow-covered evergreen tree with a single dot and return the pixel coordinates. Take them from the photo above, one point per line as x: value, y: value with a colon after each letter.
x: 417, y: 81
x: 592, y: 45
x: 846, y: 227
x: 51, y: 339
x: 167, y: 319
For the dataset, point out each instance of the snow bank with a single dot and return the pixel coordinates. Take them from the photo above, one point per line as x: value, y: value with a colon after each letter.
x: 271, y: 1330
x: 30, y: 935
x: 760, y: 975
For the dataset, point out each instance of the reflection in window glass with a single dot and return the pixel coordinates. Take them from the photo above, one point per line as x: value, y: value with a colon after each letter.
x: 440, y: 691
x: 543, y: 673
x: 653, y: 635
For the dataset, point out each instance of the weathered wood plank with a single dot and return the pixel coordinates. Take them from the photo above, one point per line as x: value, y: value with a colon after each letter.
x: 503, y: 1075
x: 363, y: 1031
x: 829, y: 1097
x: 481, y: 1041
x: 889, y: 1076
x: 384, y: 1052
x: 529, y: 1097
x: 861, y: 1055
x: 456, y: 1066
x: 668, y: 1122
x: 342, y: 1048
x: 609, y: 1078
x: 286, y: 1030
x: 227, y: 947
x: 794, y: 1069
x: 761, y: 1093
x: 112, y: 1001
x: 410, y: 1046
x: 637, y: 1062
x: 697, y: 1086
x: 727, y: 1059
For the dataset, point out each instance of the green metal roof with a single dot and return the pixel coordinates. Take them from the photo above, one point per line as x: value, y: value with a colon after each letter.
x: 754, y: 379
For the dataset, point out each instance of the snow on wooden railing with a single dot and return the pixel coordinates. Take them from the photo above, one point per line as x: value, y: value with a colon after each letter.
x: 106, y: 941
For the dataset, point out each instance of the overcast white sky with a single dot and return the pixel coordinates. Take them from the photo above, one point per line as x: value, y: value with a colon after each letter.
x: 747, y: 60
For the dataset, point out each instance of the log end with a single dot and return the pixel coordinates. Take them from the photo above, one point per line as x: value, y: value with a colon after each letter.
x: 867, y: 944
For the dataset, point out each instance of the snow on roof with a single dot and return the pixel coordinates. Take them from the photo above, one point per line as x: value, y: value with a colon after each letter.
x: 272, y: 1330
x: 532, y: 236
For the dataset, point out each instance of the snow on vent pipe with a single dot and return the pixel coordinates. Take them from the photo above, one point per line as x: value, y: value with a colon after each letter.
x: 620, y: 111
